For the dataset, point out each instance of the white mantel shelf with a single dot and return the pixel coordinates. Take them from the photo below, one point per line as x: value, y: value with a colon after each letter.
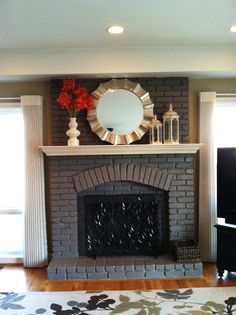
x: 186, y: 148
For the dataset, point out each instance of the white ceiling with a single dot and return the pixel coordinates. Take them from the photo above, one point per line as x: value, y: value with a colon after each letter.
x: 82, y: 23
x: 55, y: 25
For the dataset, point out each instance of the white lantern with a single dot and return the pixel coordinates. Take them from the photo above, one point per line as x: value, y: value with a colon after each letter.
x: 171, y: 126
x: 155, y: 131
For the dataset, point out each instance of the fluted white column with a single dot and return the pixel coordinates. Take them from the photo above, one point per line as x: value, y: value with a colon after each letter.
x: 35, y: 244
x: 207, y: 178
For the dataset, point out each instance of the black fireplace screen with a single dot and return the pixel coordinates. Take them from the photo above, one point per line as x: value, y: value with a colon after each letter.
x: 126, y: 224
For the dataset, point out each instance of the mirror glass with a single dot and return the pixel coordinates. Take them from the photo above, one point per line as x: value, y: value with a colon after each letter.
x: 122, y: 111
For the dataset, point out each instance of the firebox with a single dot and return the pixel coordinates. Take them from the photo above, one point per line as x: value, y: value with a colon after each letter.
x: 126, y: 224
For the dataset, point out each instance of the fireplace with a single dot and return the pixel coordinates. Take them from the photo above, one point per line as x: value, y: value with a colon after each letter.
x: 126, y: 224
x: 72, y: 180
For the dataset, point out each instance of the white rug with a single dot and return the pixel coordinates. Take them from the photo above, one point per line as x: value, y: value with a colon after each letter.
x: 197, y: 301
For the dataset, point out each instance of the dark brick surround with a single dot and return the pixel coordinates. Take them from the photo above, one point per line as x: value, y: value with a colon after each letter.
x: 96, y: 175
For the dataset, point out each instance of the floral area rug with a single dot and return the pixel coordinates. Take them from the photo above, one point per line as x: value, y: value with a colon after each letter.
x: 197, y: 301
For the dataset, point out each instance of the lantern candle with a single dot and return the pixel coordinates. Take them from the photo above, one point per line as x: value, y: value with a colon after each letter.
x: 155, y: 131
x: 171, y: 126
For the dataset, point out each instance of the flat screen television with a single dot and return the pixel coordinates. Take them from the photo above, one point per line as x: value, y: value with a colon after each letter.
x: 226, y: 184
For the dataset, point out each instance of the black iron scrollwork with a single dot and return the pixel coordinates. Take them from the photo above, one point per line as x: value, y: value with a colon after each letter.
x: 125, y: 225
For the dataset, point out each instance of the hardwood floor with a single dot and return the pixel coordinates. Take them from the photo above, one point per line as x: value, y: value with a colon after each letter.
x: 17, y: 278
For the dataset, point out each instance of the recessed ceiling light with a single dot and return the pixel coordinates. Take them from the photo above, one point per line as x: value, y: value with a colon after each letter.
x: 233, y: 29
x: 115, y: 29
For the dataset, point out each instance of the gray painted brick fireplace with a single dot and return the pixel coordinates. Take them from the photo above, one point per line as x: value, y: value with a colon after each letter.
x: 118, y: 175
x: 71, y: 176
x: 103, y: 175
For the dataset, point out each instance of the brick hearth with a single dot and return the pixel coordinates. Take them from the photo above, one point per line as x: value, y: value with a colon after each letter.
x: 118, y: 267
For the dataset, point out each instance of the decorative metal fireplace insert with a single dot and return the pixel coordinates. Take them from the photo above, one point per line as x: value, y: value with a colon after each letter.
x: 126, y: 224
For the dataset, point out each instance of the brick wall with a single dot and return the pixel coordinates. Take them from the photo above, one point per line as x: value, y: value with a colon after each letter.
x: 162, y: 92
x: 63, y: 212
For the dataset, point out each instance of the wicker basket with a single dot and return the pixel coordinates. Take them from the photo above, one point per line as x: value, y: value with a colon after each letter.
x: 185, y: 251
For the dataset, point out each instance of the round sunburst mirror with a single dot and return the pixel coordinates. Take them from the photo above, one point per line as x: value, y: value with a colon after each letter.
x: 122, y: 111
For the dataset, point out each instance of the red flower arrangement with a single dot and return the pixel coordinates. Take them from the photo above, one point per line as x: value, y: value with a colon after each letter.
x: 73, y: 98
